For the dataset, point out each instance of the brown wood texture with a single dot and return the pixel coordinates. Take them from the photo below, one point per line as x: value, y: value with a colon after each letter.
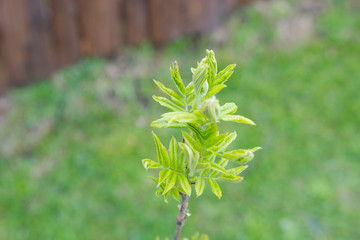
x: 39, y: 36
x: 41, y: 58
x: 136, y: 21
x: 65, y: 30
x: 14, y: 41
x: 99, y: 26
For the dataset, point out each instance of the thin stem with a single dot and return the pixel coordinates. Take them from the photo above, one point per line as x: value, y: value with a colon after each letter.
x: 181, y: 217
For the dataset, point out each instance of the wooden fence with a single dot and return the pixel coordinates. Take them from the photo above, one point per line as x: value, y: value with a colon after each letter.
x: 38, y: 37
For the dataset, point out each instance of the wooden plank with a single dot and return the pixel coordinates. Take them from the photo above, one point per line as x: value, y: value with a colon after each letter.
x: 136, y: 21
x: 99, y: 27
x: 168, y: 19
x: 193, y: 13
x: 158, y: 12
x: 66, y: 32
x: 3, y: 75
x: 14, y: 41
x: 211, y: 14
x: 226, y: 6
x: 41, y: 59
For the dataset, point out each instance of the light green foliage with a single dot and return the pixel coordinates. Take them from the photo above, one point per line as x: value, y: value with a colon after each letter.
x: 201, y: 156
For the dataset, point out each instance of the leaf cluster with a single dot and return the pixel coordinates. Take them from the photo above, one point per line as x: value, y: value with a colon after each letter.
x: 202, y: 156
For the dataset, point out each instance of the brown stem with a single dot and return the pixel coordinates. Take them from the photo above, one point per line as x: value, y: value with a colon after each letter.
x: 181, y: 217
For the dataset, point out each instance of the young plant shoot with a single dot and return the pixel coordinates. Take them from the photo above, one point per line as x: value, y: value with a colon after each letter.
x: 201, y: 157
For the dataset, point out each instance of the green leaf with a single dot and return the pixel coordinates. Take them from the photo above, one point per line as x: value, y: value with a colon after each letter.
x: 162, y: 154
x: 168, y: 103
x: 204, y: 165
x: 204, y: 172
x: 215, y: 89
x: 164, y: 123
x: 215, y: 188
x: 224, y: 75
x: 246, y: 158
x: 165, y: 195
x: 175, y: 194
x: 199, y: 78
x: 170, y: 182
x: 163, y: 174
x: 228, y: 108
x: 237, y: 118
x: 174, y: 96
x: 191, y: 141
x: 237, y: 170
x: 190, y: 88
x: 174, y: 152
x: 156, y: 180
x: 150, y: 164
x: 215, y: 141
x: 211, y: 61
x: 184, y: 184
x: 182, y: 117
x: 254, y: 149
x: 218, y: 167
x: 235, y: 154
x: 223, y: 162
x: 196, y: 130
x: 240, y: 155
x: 226, y: 142
x: 199, y: 186
x: 177, y: 79
x: 210, y: 130
x: 230, y: 178
x: 158, y: 192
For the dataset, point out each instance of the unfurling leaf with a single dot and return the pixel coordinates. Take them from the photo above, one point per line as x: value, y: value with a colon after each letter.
x: 181, y: 117
x: 162, y: 154
x: 230, y: 178
x: 177, y: 79
x: 174, y: 96
x: 235, y: 154
x: 163, y: 174
x: 215, y: 89
x: 168, y: 103
x: 173, y: 151
x: 199, y: 78
x: 191, y: 141
x: 211, y: 61
x: 237, y: 170
x: 199, y: 186
x: 211, y: 109
x: 175, y: 194
x: 170, y: 181
x: 184, y: 184
x: 228, y: 108
x: 237, y: 118
x: 224, y: 75
x: 217, y: 168
x: 215, y: 188
x: 226, y: 142
x: 150, y: 164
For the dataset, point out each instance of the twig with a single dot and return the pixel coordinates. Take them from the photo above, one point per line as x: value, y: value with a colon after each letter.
x: 181, y: 217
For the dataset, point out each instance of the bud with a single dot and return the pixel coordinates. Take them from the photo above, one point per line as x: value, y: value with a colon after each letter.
x: 247, y: 157
x: 211, y: 109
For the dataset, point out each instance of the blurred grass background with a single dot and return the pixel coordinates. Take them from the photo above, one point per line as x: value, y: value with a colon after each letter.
x: 71, y: 147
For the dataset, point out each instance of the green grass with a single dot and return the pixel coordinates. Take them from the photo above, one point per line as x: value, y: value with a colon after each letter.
x: 72, y: 147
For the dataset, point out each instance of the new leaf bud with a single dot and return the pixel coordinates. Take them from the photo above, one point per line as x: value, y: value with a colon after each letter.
x: 211, y: 109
